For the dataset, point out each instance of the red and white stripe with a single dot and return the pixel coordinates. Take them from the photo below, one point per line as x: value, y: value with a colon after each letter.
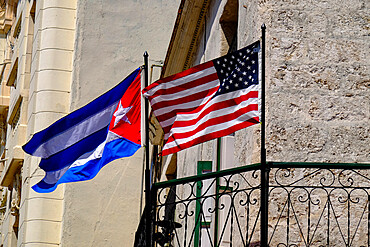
x: 189, y: 114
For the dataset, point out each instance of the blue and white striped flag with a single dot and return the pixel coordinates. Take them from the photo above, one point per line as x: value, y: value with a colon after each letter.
x: 77, y: 146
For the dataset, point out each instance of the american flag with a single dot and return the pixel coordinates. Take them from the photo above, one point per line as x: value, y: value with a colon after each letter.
x: 207, y: 101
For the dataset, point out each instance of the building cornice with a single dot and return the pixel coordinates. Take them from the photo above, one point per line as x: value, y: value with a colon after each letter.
x: 189, y: 21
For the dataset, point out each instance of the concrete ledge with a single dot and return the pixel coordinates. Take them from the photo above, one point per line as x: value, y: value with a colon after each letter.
x: 44, y: 208
x: 12, y: 76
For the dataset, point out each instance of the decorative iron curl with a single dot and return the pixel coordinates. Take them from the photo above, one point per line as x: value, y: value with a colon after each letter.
x: 357, y: 199
x: 211, y: 209
x: 254, y: 201
x: 282, y: 174
x: 324, y: 179
x: 317, y: 201
x: 244, y: 202
x: 185, y: 212
x: 255, y: 174
x: 302, y: 198
x: 160, y: 196
x: 285, y: 173
x: 341, y: 193
x: 349, y: 182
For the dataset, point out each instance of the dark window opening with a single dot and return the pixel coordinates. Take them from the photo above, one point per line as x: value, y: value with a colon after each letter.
x: 229, y: 27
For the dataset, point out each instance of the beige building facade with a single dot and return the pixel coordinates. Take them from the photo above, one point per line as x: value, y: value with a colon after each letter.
x: 57, y: 56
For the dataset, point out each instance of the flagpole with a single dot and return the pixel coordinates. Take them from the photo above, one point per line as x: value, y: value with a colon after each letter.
x: 264, y: 165
x: 147, y: 165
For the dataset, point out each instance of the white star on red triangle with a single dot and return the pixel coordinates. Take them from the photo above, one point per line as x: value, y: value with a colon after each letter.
x: 120, y: 114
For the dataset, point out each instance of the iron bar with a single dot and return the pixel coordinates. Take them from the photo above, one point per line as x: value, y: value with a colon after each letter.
x: 360, y: 166
x: 218, y: 168
x: 264, y: 165
x: 257, y: 166
x: 147, y: 167
x: 196, y: 178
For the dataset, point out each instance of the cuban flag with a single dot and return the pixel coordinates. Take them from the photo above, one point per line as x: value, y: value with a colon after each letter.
x: 77, y: 146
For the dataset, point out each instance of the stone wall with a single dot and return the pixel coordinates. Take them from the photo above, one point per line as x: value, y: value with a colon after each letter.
x: 318, y: 102
x: 318, y: 75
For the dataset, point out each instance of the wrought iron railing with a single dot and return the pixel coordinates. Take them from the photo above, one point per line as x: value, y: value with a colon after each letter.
x: 309, y: 204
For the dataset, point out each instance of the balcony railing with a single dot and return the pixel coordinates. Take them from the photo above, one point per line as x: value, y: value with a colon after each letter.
x: 309, y: 204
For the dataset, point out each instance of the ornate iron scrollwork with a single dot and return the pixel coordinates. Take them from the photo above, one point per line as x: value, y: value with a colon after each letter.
x: 308, y: 206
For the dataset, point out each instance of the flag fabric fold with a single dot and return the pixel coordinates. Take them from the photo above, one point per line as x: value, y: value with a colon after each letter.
x: 207, y: 101
x: 78, y: 145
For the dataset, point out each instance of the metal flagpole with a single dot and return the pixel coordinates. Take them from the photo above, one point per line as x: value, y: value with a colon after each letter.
x: 264, y: 166
x: 147, y: 165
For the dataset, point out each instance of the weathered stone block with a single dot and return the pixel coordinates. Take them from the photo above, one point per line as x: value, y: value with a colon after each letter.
x: 350, y: 143
x: 338, y: 108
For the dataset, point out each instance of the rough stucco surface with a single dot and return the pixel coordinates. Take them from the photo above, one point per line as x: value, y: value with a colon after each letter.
x: 111, y: 38
x: 317, y: 68
x: 318, y: 104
